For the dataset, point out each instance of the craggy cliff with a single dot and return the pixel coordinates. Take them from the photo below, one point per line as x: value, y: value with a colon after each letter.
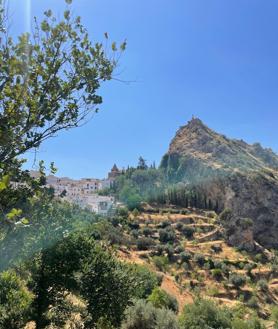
x: 238, y: 175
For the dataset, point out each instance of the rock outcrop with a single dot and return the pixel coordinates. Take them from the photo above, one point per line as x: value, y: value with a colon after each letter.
x: 237, y: 175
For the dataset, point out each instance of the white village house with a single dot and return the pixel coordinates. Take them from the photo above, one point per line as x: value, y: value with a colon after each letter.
x: 83, y: 192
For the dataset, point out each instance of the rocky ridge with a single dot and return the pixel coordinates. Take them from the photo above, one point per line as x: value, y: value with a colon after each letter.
x: 238, y: 175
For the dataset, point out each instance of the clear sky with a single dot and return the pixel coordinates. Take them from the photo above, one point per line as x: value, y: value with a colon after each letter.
x: 216, y: 59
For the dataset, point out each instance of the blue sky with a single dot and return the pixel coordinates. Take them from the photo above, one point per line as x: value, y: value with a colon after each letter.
x: 215, y: 59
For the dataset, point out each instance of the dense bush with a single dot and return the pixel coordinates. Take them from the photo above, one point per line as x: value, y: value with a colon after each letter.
x: 144, y: 243
x: 188, y: 231
x: 107, y: 286
x: 161, y: 263
x: 248, y: 324
x: 262, y: 285
x: 217, y: 274
x: 237, y: 280
x: 199, y: 259
x: 204, y: 314
x: 166, y: 235
x: 161, y: 299
x: 145, y: 281
x: 179, y: 249
x: 253, y: 302
x: 226, y: 215
x: 217, y: 248
x: 245, y: 223
x: 15, y: 301
x: 143, y: 315
x: 165, y: 223
x: 147, y: 231
x: 185, y: 256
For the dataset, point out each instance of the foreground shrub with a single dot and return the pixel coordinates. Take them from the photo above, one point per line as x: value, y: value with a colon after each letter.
x: 249, y: 324
x: 161, y: 299
x: 204, y: 314
x: 107, y: 285
x: 15, y: 301
x: 143, y: 315
x: 145, y: 281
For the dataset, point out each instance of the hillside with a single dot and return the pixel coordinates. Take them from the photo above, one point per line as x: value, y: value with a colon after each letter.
x: 237, y: 175
x: 187, y: 248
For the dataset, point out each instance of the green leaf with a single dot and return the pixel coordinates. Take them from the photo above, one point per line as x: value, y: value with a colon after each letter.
x: 123, y: 46
x: 114, y: 46
x: 4, y: 182
x: 25, y: 221
x: 14, y: 213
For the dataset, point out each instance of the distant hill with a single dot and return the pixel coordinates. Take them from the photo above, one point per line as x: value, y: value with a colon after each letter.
x: 240, y: 176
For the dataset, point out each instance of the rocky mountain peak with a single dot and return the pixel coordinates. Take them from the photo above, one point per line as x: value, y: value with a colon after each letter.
x: 232, y: 173
x: 198, y: 141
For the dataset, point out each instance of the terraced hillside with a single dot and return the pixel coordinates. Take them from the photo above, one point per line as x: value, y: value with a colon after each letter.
x: 187, y: 248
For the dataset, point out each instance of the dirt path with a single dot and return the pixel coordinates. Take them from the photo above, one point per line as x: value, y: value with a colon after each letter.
x: 172, y: 288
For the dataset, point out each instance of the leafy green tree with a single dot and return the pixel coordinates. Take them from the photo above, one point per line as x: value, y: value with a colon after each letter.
x: 161, y: 299
x: 15, y: 301
x: 49, y: 221
x: 143, y: 315
x: 54, y: 273
x: 107, y: 285
x: 49, y: 82
x: 145, y: 281
x: 130, y: 197
x: 142, y: 164
x: 204, y: 314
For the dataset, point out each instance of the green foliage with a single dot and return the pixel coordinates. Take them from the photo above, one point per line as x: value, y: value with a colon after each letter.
x: 49, y: 82
x: 42, y: 75
x: 226, y: 215
x: 161, y: 262
x: 253, y: 323
x: 262, y: 285
x: 167, y: 235
x: 15, y: 301
x: 49, y: 221
x: 199, y: 259
x: 204, y: 314
x: 217, y: 274
x: 107, y: 285
x: 144, y: 243
x: 246, y: 223
x: 142, y: 165
x: 161, y: 299
x: 145, y: 281
x: 274, y: 315
x: 185, y: 256
x: 253, y: 302
x: 237, y: 280
x: 188, y: 231
x: 143, y: 315
x: 130, y: 197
